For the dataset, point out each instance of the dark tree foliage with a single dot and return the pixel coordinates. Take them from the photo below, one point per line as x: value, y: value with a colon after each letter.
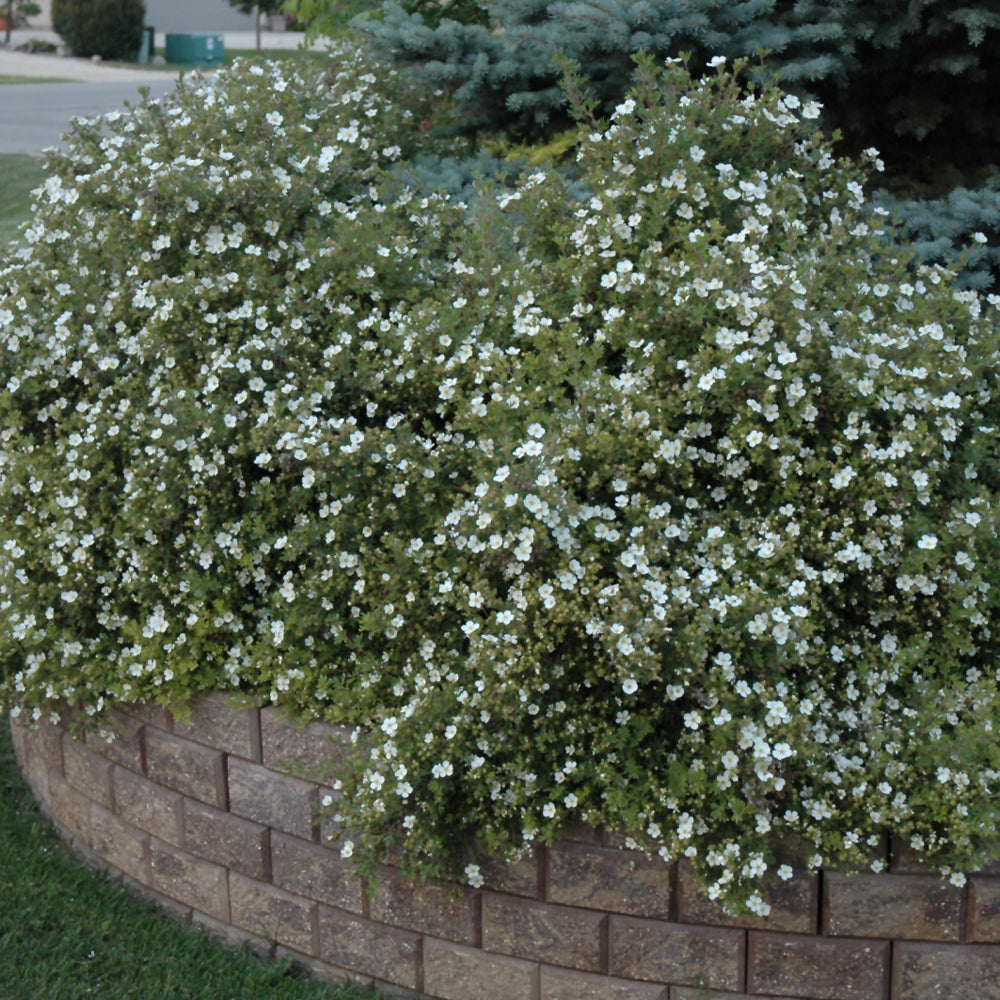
x: 111, y: 29
x: 504, y: 67
x: 916, y: 79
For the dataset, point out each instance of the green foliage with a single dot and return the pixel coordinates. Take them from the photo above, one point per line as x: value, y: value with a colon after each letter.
x: 111, y: 29
x: 326, y: 18
x: 669, y: 508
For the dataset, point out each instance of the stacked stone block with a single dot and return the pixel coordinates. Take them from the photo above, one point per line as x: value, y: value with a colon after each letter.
x: 214, y: 815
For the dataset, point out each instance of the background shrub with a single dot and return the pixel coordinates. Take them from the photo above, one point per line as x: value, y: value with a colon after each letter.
x: 915, y: 81
x: 111, y: 29
x: 669, y: 508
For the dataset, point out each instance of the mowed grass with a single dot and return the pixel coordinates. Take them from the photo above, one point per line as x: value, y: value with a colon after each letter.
x: 19, y: 175
x: 6, y: 78
x: 67, y: 933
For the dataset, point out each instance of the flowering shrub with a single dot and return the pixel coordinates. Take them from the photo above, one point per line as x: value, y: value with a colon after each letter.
x: 671, y: 510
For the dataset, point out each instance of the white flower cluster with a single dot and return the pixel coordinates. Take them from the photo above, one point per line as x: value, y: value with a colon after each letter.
x: 671, y: 509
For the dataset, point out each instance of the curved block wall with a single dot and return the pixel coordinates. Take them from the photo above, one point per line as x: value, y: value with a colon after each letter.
x: 209, y: 817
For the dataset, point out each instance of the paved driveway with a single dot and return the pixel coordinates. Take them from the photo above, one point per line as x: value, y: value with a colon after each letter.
x: 34, y: 116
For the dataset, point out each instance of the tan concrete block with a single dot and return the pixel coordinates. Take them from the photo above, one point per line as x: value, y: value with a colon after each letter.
x: 228, y: 840
x: 192, y: 881
x: 821, y: 968
x: 543, y: 932
x: 522, y: 877
x: 276, y: 800
x: 697, y: 993
x: 119, y: 740
x: 273, y: 914
x: 187, y: 767
x: 794, y: 904
x: 609, y: 879
x: 448, y: 912
x: 36, y: 773
x: 149, y: 713
x: 984, y: 910
x: 315, y: 750
x: 67, y: 805
x: 886, y: 906
x: 119, y: 844
x: 47, y: 743
x: 316, y: 872
x: 946, y: 971
x: 680, y: 954
x: 220, y: 722
x: 351, y: 942
x: 566, y: 984
x: 147, y: 805
x: 18, y: 735
x: 88, y: 772
x: 457, y: 972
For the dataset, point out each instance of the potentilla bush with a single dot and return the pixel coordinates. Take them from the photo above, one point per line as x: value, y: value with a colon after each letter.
x: 671, y: 510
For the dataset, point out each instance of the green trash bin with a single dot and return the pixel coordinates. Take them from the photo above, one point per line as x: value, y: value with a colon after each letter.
x: 196, y: 50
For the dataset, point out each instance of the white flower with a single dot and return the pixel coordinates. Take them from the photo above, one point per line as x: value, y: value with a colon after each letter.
x: 841, y: 479
x: 629, y: 685
x: 927, y: 542
x: 473, y: 876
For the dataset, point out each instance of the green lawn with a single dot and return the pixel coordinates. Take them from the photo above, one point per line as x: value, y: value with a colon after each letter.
x: 32, y: 79
x: 19, y: 174
x: 67, y: 933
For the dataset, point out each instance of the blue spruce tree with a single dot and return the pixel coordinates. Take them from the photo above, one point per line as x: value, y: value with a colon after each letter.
x: 916, y: 79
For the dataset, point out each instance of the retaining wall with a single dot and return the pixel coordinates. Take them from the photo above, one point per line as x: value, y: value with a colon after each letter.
x: 205, y: 817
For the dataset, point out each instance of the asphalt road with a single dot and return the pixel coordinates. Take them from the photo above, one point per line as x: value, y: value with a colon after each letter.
x: 34, y: 116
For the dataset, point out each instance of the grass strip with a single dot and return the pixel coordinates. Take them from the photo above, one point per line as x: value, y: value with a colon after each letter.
x: 67, y: 933
x: 20, y: 174
x: 6, y: 78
